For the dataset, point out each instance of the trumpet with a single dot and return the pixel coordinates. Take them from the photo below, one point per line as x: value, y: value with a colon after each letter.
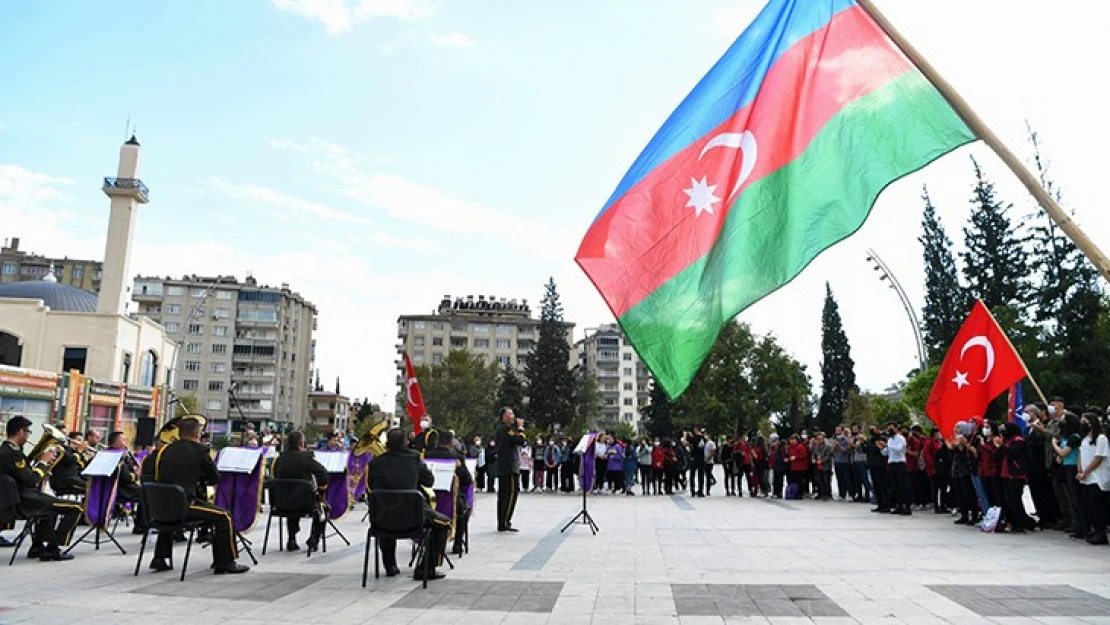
x: 52, y: 439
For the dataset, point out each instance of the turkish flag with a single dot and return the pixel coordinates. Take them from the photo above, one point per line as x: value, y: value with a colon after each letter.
x: 979, y: 366
x: 414, y: 401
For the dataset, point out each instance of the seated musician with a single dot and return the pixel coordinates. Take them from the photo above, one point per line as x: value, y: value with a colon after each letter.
x: 445, y: 451
x: 188, y: 464
x: 66, y: 478
x: 297, y: 463
x: 93, y: 444
x: 62, y: 515
x: 127, y: 478
x: 420, y: 441
x: 400, y: 468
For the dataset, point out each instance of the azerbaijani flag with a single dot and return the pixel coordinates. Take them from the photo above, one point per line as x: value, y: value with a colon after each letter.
x: 777, y: 154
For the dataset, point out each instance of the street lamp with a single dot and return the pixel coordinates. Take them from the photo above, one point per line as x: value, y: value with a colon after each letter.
x: 886, y: 275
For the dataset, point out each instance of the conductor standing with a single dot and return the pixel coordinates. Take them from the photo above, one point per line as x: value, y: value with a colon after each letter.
x: 508, y: 437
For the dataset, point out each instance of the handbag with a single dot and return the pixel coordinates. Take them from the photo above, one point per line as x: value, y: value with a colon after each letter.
x: 990, y: 519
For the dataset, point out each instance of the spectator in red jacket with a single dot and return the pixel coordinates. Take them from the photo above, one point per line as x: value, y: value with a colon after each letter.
x: 799, y: 465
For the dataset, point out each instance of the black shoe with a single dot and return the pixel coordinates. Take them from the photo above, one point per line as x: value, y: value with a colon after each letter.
x: 138, y: 531
x: 34, y: 552
x: 232, y: 569
x: 160, y: 564
x: 881, y: 510
x: 312, y: 544
x: 292, y: 546
x: 962, y: 521
x: 1097, y: 540
x: 55, y: 555
x: 433, y: 574
x: 392, y: 571
x: 905, y: 512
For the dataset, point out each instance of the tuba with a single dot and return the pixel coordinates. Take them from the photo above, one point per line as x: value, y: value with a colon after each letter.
x: 168, y: 434
x: 373, y: 441
x: 52, y: 438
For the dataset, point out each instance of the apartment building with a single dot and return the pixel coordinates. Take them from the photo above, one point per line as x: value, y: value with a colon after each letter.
x: 497, y: 329
x: 622, y: 378
x: 17, y: 265
x: 244, y: 350
x: 329, y: 412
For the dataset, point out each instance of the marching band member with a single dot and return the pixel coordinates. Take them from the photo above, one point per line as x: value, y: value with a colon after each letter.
x: 400, y: 468
x: 445, y: 451
x: 63, y: 515
x: 186, y: 463
x: 297, y: 463
x: 509, y: 437
x: 66, y: 476
x: 92, y: 439
x: 127, y: 478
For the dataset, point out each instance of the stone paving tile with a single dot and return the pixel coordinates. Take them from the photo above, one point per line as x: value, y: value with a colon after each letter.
x: 1013, y: 601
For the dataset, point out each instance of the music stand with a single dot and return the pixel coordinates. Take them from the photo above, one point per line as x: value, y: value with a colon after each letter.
x: 236, y: 465
x: 584, y: 449
x: 336, y: 464
x: 102, y: 494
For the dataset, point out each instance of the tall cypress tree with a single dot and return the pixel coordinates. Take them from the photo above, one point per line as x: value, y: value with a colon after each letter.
x: 659, y: 420
x: 946, y: 302
x: 838, y: 375
x: 550, y: 381
x: 995, y: 261
x: 511, y: 392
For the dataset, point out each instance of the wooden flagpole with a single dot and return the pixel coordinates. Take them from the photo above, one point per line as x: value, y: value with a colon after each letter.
x: 981, y: 130
x: 1029, y: 375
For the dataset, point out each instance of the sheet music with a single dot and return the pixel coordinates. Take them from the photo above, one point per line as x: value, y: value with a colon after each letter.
x: 104, y: 463
x: 238, y: 459
x: 585, y: 442
x: 472, y: 466
x: 333, y: 461
x: 444, y: 472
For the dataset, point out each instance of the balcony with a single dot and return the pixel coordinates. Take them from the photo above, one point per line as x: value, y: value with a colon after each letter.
x: 255, y: 323
x: 252, y: 375
x: 127, y: 187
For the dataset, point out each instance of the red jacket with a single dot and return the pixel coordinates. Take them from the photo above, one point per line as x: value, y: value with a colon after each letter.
x: 914, y: 448
x: 801, y: 457
x: 657, y: 458
x: 989, y: 461
x: 743, y: 453
x: 932, y: 445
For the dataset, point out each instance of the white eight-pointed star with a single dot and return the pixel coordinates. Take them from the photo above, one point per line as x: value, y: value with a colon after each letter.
x: 701, y: 196
x: 960, y: 379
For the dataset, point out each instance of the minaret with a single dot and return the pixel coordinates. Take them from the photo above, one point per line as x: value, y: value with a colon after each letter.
x: 126, y: 192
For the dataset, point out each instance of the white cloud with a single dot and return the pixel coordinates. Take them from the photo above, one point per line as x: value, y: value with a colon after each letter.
x: 450, y: 40
x: 338, y: 16
x: 3, y: 126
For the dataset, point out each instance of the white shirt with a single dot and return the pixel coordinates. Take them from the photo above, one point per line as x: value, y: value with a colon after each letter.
x: 896, y: 449
x: 710, y: 452
x: 600, y: 449
x: 1087, y: 455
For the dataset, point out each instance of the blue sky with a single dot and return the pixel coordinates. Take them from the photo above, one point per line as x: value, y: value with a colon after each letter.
x: 377, y: 154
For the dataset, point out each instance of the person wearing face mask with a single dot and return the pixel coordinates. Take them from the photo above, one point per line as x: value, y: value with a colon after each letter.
x: 1066, y: 448
x: 1094, y: 474
x: 643, y: 465
x: 658, y: 466
x: 899, y: 474
x: 420, y: 442
x: 1040, y: 482
x: 990, y: 466
x: 539, y: 468
x: 1014, y: 472
x: 551, y: 465
x: 876, y: 465
x: 1053, y: 426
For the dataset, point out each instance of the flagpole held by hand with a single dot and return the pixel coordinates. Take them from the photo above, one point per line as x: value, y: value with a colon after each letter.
x: 1029, y: 375
x: 980, y: 128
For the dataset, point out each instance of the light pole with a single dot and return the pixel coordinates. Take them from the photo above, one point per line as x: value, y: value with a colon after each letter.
x: 885, y: 274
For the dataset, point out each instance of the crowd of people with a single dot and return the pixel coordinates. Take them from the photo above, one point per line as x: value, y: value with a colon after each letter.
x: 980, y: 474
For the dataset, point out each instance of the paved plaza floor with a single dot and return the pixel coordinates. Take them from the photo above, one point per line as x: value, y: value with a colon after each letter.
x: 657, y: 560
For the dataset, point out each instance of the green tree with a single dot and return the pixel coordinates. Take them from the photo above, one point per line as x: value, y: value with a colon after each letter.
x: 886, y: 410
x: 511, y: 392
x: 586, y: 404
x: 995, y: 262
x: 838, y: 375
x: 625, y: 430
x: 186, y: 404
x: 946, y: 302
x: 459, y: 393
x: 550, y: 381
x: 859, y: 409
x: 916, y: 391
x: 658, y: 414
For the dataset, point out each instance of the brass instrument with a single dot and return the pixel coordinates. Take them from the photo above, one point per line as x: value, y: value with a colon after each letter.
x: 373, y: 441
x: 168, y: 434
x: 52, y: 439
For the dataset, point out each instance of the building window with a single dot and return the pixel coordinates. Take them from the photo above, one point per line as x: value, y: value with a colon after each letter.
x: 192, y: 365
x: 215, y: 404
x: 99, y: 273
x: 504, y: 344
x: 419, y: 325
x: 216, y: 385
x: 190, y: 385
x: 172, y: 327
x: 627, y: 401
x: 175, y: 291
x: 458, y: 343
x: 504, y: 361
x: 196, y: 328
x: 418, y: 342
x: 219, y: 348
x: 192, y: 348
x: 504, y: 330
x: 74, y: 358
x: 217, y: 367
x: 610, y: 402
x: 199, y: 292
x: 627, y: 355
x: 173, y: 309
x: 9, y: 269
x: 481, y: 343
x: 126, y: 377
x: 521, y: 362
x: 481, y: 328
x: 418, y: 358
x: 437, y: 358
x: 437, y: 341
x: 219, y: 331
x: 628, y: 386
x: 628, y: 370
x: 78, y: 273
x: 224, y: 295
x: 628, y: 416
x: 437, y: 326
x: 221, y: 313
x: 458, y: 326
x: 148, y: 375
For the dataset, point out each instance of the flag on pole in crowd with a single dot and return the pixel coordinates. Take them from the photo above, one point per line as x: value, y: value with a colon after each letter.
x: 414, y: 400
x: 1017, y: 408
x: 778, y: 153
x: 980, y: 364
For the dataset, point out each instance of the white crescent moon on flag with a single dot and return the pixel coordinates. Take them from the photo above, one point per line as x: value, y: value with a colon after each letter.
x: 408, y: 390
x: 981, y: 341
x: 743, y: 141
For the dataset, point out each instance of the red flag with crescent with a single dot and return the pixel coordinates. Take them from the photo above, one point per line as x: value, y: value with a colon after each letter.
x: 414, y: 401
x: 979, y: 366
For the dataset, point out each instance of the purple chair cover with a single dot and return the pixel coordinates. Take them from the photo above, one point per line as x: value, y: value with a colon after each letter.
x: 100, y: 499
x: 356, y: 474
x: 241, y: 494
x: 339, y: 498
